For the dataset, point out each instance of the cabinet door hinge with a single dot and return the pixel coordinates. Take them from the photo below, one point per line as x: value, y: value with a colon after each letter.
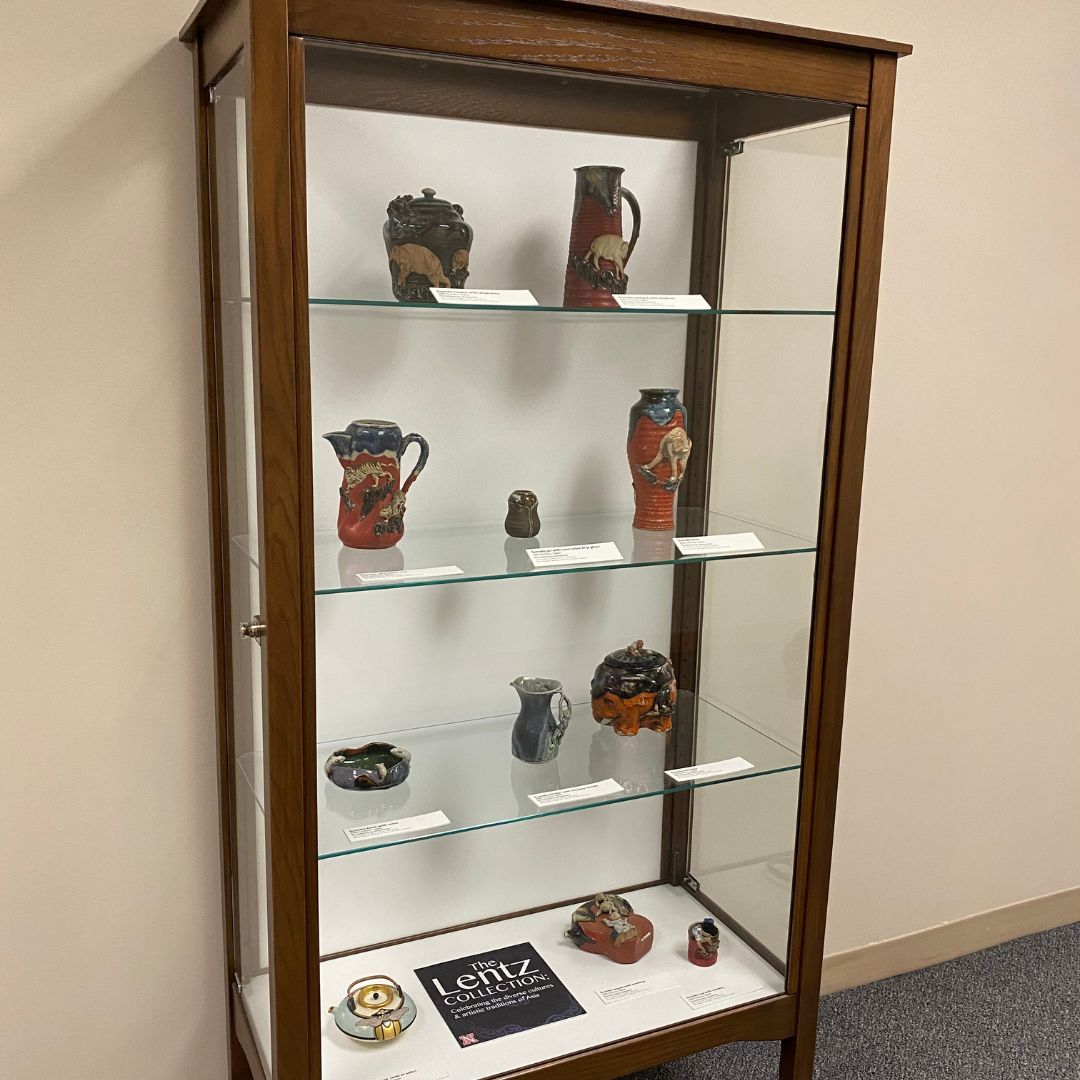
x: 692, y: 883
x: 736, y: 146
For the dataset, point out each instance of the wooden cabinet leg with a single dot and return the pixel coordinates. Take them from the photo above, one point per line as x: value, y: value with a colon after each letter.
x: 797, y: 1058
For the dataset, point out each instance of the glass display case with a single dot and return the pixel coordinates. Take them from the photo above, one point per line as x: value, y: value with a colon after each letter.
x: 530, y: 690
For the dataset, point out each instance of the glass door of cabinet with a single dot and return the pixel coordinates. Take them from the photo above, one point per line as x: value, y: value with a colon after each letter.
x: 786, y: 188
x: 474, y: 334
x: 239, y: 484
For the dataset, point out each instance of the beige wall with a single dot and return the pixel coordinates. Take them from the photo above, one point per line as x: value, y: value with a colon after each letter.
x: 111, y: 934
x: 959, y: 792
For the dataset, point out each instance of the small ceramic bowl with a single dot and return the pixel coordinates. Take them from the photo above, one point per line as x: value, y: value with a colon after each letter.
x: 373, y: 766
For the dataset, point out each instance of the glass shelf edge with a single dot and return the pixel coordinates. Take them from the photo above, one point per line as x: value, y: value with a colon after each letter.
x: 479, y: 549
x: 615, y: 800
x: 544, y: 309
x: 705, y: 711
x: 552, y: 571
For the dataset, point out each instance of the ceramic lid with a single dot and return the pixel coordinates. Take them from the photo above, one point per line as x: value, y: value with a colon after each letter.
x: 426, y: 207
x: 635, y: 658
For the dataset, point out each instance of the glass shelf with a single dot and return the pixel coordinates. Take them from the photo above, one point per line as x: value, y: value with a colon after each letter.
x: 483, y: 551
x: 541, y: 309
x: 443, y: 756
x: 556, y: 310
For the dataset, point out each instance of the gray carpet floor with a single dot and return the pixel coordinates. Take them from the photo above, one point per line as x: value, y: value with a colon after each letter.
x: 1008, y: 1013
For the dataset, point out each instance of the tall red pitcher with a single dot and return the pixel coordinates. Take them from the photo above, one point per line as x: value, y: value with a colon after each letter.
x: 596, y: 267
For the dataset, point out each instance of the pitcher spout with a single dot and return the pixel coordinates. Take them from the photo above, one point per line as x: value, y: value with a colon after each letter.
x: 341, y: 441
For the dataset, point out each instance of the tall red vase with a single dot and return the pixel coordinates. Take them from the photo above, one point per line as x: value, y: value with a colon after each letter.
x: 658, y: 449
x: 596, y: 265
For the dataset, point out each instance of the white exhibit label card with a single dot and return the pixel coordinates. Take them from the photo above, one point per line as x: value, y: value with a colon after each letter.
x: 436, y: 1070
x: 492, y: 297
x: 720, y: 544
x: 542, y: 558
x: 386, y: 577
x: 708, y: 771
x: 651, y: 984
x: 576, y: 794
x: 703, y: 999
x: 660, y: 301
x: 421, y: 822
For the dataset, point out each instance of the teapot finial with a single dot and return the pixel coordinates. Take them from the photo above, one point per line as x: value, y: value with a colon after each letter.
x: 428, y: 192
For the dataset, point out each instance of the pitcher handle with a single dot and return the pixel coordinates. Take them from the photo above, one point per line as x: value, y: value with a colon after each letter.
x: 566, y: 711
x: 635, y: 209
x: 421, y: 461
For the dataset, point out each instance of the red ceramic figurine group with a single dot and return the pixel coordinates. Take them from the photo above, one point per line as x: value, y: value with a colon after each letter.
x: 608, y: 925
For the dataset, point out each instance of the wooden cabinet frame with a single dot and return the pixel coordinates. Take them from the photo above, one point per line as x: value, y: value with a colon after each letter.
x: 669, y: 45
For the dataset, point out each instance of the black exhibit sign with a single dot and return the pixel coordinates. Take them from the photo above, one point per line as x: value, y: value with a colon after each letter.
x: 497, y: 993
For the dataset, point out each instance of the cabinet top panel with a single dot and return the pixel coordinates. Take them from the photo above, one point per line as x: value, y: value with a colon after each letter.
x: 207, y: 11
x: 737, y: 22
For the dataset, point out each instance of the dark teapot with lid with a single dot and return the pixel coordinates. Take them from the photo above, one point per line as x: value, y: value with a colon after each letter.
x: 428, y: 244
x: 634, y: 688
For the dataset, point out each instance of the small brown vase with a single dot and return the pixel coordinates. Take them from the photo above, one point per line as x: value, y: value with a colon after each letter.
x: 522, y: 514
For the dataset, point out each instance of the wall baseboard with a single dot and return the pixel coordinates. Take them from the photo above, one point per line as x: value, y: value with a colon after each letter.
x: 924, y: 948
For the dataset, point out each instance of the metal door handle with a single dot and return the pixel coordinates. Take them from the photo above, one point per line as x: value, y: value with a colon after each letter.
x: 254, y: 630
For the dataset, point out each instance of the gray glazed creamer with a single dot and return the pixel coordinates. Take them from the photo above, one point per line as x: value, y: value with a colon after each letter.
x: 537, y: 731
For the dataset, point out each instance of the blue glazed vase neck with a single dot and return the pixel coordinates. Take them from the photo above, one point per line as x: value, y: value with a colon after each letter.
x: 659, y: 404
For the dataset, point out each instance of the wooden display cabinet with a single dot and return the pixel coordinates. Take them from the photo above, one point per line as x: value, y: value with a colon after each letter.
x: 758, y: 154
